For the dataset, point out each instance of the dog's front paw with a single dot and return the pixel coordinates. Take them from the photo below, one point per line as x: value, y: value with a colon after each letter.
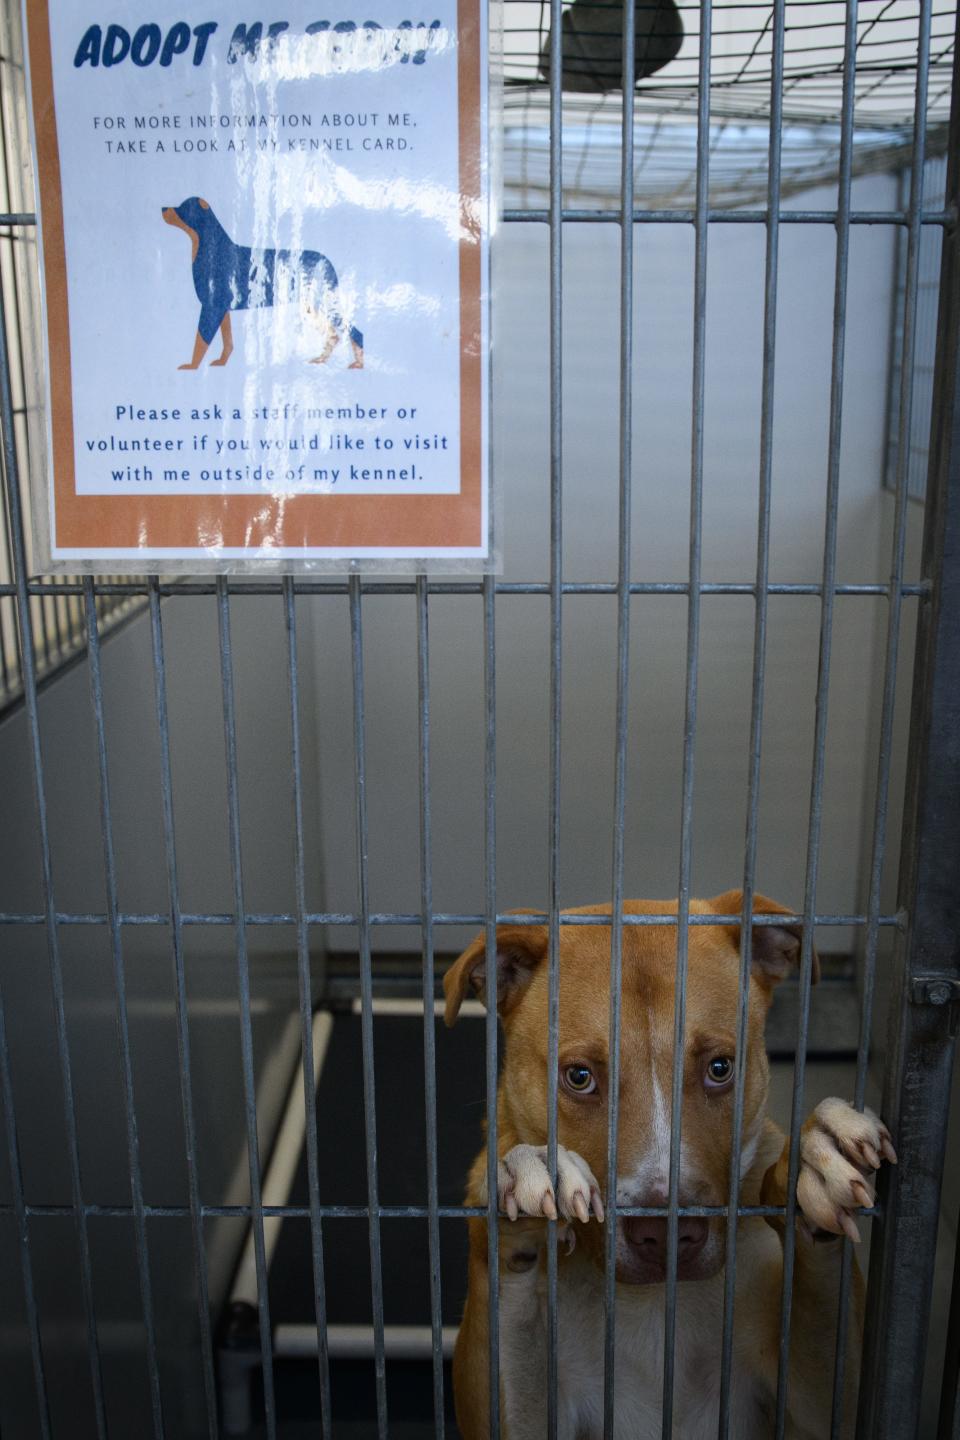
x: 840, y: 1149
x: 524, y: 1186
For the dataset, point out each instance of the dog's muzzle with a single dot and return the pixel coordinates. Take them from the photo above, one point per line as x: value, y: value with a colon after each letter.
x: 647, y: 1235
x: 643, y: 1244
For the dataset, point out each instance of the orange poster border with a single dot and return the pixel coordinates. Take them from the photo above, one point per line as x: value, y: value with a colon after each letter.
x: 96, y: 524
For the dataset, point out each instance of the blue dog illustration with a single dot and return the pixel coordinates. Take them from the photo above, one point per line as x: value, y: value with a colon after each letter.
x: 234, y: 277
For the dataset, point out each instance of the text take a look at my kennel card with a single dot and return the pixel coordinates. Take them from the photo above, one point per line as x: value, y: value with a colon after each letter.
x: 264, y: 259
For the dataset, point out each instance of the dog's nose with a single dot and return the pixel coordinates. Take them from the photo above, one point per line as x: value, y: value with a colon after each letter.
x: 648, y: 1235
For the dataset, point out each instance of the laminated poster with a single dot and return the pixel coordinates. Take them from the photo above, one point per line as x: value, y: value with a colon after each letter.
x: 264, y: 249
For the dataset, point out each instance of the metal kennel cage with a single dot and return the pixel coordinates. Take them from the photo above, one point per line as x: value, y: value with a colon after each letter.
x: 896, y: 107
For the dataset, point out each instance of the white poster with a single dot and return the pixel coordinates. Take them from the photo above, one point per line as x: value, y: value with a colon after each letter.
x: 265, y: 279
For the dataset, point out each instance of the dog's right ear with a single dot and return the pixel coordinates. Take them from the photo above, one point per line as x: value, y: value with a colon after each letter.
x: 776, y: 948
x: 520, y: 948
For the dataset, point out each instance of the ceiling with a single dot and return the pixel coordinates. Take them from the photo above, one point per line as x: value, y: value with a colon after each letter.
x: 740, y: 63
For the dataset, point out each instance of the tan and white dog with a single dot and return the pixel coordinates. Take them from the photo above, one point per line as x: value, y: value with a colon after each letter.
x: 840, y: 1150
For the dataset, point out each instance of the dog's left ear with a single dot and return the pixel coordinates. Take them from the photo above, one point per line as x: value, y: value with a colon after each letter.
x: 520, y: 948
x: 776, y: 948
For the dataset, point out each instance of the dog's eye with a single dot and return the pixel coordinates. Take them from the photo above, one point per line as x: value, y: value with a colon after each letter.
x: 580, y: 1079
x: 719, y: 1072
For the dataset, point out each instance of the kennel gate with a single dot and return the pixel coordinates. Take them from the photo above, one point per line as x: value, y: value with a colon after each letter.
x: 925, y: 982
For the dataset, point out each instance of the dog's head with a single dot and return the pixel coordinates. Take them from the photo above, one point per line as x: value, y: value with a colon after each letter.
x: 193, y: 214
x: 646, y: 1061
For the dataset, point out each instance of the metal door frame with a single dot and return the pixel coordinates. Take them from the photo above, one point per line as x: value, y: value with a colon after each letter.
x: 925, y: 994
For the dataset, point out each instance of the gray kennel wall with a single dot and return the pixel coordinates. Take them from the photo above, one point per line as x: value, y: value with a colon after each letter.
x: 199, y: 792
x: 663, y: 278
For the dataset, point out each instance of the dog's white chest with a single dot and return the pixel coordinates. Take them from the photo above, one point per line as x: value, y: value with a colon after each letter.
x: 638, y: 1388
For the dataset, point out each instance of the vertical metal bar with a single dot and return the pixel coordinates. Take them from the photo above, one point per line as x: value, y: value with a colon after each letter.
x: 366, y: 997
x: 123, y: 1024
x: 921, y: 1041
x: 616, y: 973
x: 306, y: 1011
x: 6, y: 671
x: 6, y: 1078
x: 622, y: 708
x: 17, y: 330
x: 11, y: 672
x: 761, y: 604
x: 701, y: 225
x: 58, y: 634
x: 11, y: 479
x: 428, y: 987
x: 183, y: 1026
x: 10, y: 150
x: 912, y: 242
x: 75, y: 604
x: 895, y: 348
x: 23, y: 1232
x: 822, y: 704
x: 556, y: 665
x: 41, y: 604
x: 490, y: 1035
x: 243, y: 986
x: 948, y: 1421
x: 885, y: 750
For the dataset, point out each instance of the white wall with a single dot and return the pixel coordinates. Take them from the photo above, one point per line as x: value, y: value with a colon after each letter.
x: 661, y: 466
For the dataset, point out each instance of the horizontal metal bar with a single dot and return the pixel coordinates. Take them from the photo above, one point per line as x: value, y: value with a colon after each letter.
x: 728, y: 217
x: 461, y: 587
x: 674, y: 217
x: 362, y: 1212
x: 356, y: 1342
x: 530, y: 917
